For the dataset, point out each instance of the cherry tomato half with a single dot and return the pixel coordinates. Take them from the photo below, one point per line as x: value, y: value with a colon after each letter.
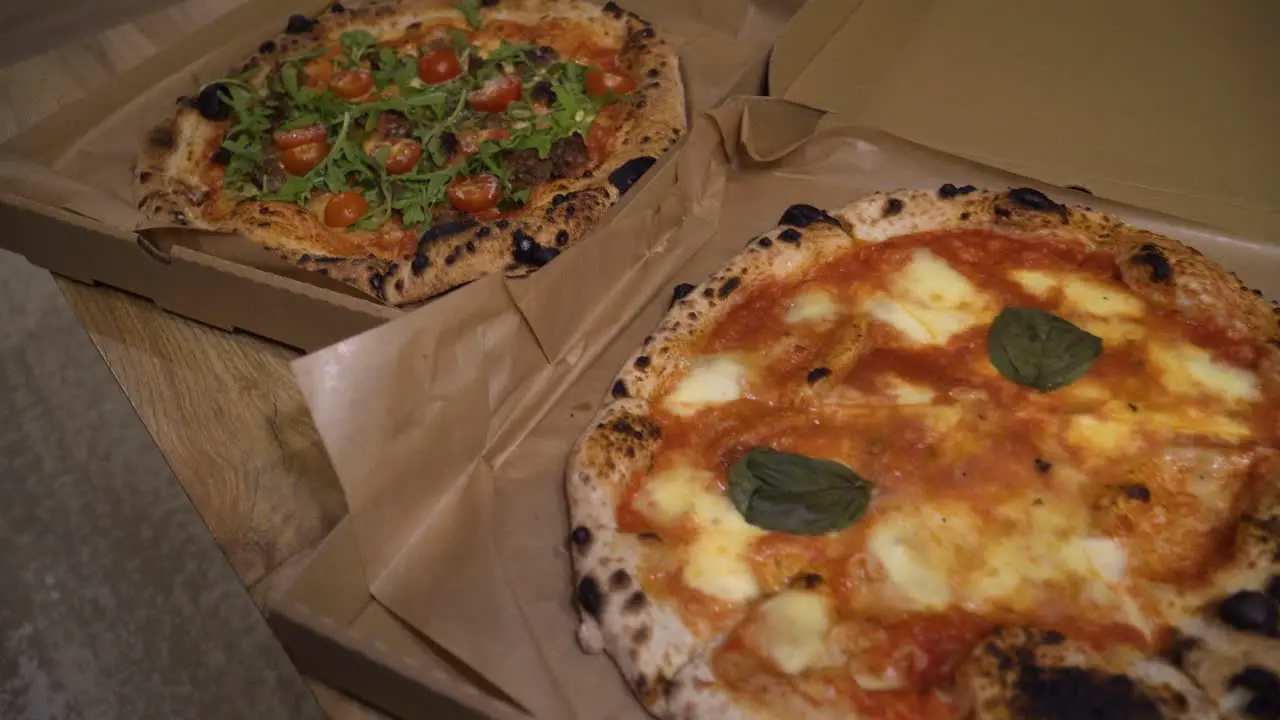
x: 476, y: 193
x: 439, y: 65
x: 351, y: 84
x: 286, y: 139
x: 602, y: 82
x: 496, y: 94
x: 344, y: 209
x: 317, y: 72
x: 404, y: 156
x: 298, y: 160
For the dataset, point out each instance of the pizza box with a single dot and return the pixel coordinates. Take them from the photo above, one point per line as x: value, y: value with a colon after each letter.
x: 65, y: 184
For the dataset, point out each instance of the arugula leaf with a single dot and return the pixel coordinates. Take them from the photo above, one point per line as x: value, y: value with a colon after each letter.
x: 470, y: 10
x: 357, y: 43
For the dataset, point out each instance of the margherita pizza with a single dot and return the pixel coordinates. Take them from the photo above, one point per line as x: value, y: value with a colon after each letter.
x: 405, y: 148
x: 946, y: 454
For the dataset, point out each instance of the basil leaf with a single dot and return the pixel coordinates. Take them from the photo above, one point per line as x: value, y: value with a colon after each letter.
x: 470, y: 10
x: 796, y: 494
x: 1039, y: 349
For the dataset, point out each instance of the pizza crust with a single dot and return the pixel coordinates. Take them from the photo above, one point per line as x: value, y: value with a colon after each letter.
x: 1160, y: 269
x: 168, y: 188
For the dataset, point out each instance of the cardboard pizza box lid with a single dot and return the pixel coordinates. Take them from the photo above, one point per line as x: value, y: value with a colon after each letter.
x: 1164, y: 104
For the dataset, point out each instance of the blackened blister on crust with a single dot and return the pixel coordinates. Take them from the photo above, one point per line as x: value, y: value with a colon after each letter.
x: 376, y: 283
x: 619, y: 390
x: 1150, y: 255
x: 562, y: 237
x: 267, y: 47
x: 1080, y: 188
x: 681, y: 292
x: 1138, y: 491
x: 802, y: 216
x: 613, y: 9
x: 629, y: 172
x: 789, y: 235
x: 419, y: 264
x: 299, y: 24
x: 1069, y: 693
x: 728, y: 287
x: 892, y: 207
x: 817, y: 374
x: 221, y: 156
x: 1033, y: 199
x: 527, y: 251
x: 581, y: 537
x: 435, y: 232
x: 948, y: 191
x: 589, y: 596
x: 1250, y: 611
x: 337, y: 8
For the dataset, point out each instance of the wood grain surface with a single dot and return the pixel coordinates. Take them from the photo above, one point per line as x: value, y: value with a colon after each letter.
x: 223, y: 407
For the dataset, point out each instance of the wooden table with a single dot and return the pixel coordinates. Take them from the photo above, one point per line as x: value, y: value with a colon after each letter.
x: 223, y: 408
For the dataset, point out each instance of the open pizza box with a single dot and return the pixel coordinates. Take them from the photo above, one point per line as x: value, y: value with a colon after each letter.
x: 66, y: 184
x: 452, y: 571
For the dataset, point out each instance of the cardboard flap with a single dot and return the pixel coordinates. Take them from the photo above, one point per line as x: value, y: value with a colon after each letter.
x: 47, y: 187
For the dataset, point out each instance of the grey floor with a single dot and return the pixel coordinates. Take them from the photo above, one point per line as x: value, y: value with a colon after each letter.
x: 115, y: 603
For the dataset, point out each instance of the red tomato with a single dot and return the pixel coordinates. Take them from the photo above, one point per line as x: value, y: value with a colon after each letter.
x: 286, y: 139
x: 439, y: 65
x: 317, y: 72
x: 404, y: 156
x: 603, y: 59
x: 602, y: 82
x: 351, y: 84
x: 344, y: 209
x: 469, y: 140
x: 496, y: 94
x: 298, y: 160
x: 476, y: 193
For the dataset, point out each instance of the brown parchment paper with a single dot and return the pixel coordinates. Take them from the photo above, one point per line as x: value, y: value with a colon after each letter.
x: 450, y: 428
x: 717, y: 41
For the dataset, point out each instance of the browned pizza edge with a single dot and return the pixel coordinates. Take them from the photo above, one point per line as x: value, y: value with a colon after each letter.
x: 1160, y: 268
x: 449, y: 254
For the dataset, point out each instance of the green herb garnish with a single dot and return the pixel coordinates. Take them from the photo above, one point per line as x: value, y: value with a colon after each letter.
x: 796, y: 494
x: 1039, y: 349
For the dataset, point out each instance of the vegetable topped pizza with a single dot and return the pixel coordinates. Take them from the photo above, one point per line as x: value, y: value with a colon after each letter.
x: 405, y: 147
x: 942, y: 455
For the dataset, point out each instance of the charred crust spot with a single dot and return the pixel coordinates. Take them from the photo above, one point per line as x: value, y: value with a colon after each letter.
x: 399, y: 284
x: 1002, y: 211
x: 1052, y: 637
x: 419, y: 264
x: 892, y: 207
x: 558, y: 199
x: 642, y: 362
x: 1250, y: 611
x: 1264, y: 685
x: 569, y: 211
x: 613, y: 9
x: 562, y: 237
x: 267, y: 47
x: 435, y: 232
x: 802, y: 216
x: 964, y: 216
x: 502, y: 224
x: 1043, y: 466
x: 653, y: 73
x: 1179, y: 646
x: 484, y: 232
x: 629, y: 172
x: 708, y: 292
x: 810, y: 580
x: 622, y: 427
x: 728, y: 287
x: 376, y: 282
x: 161, y: 137
x: 221, y: 156
x: 304, y: 258
x: 619, y: 580
x: 644, y: 33
x: 1033, y: 199
x: 681, y: 292
x: 452, y: 257
x: 589, y: 597
x: 650, y: 537
x: 1004, y: 661
x: 766, y: 241
x: 635, y: 602
x: 789, y: 235
x: 413, y: 25
x: 337, y: 8
x: 817, y: 374
x: 144, y: 176
x: 619, y: 389
x: 526, y: 250
x: 471, y: 247
x: 1151, y: 256
x: 1066, y: 693
x: 299, y: 24
x: 641, y: 635
x: 264, y: 210
x: 1080, y: 188
x: 948, y: 191
x: 1138, y: 491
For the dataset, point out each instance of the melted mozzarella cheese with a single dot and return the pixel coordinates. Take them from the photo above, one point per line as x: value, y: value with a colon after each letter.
x: 792, y: 630
x: 1103, y: 436
x: 1190, y: 370
x: 812, y: 306
x: 715, y: 562
x: 905, y: 393
x: 712, y: 381
x: 1036, y: 282
x: 1099, y: 299
x: 930, y: 301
